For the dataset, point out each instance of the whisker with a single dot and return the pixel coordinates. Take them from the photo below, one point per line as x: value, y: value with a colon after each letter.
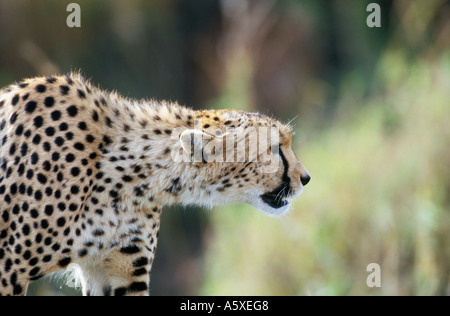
x: 289, y: 123
x: 281, y: 194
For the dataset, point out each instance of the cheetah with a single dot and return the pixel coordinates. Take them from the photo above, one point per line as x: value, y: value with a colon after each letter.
x: 85, y: 173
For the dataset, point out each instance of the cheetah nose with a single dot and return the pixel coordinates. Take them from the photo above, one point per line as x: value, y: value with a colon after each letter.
x: 305, y: 179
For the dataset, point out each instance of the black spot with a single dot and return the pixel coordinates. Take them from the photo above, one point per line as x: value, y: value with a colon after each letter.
x: 61, y: 222
x: 127, y: 178
x: 33, y: 261
x: 50, y: 131
x: 75, y: 171
x: 55, y: 156
x: 46, y: 146
x: 69, y: 136
x: 44, y: 224
x: 138, y: 191
x: 59, y: 141
x: 41, y: 178
x: 34, y: 158
x: 17, y: 289
x: 38, y: 121
x: 30, y: 107
x: 19, y: 130
x: 27, y: 255
x: 121, y: 291
x: 138, y: 287
x: 24, y: 149
x: 49, y: 191
x: 12, y: 149
x: 34, y: 213
x: 72, y: 111
x: 13, y: 118
x: 64, y: 262
x: 41, y: 88
x: 25, y: 206
x: 55, y: 115
x: 13, y: 189
x: 90, y: 138
x: 95, y: 116
x: 48, y: 210
x: 139, y: 272
x: 74, y: 189
x: 64, y: 89
x: 108, y: 122
x: 81, y: 94
x: 83, y: 252
x: 98, y: 232
x: 137, y: 169
x: 34, y: 272
x: 49, y: 102
x: 48, y: 241
x: 63, y: 127
x: 5, y: 216
x: 143, y: 261
x: 18, y: 249
x: 36, y: 139
x: 15, y: 100
x: 82, y: 126
x: 107, y: 140
x: 69, y: 80
x: 79, y: 146
x: 130, y: 250
x: 70, y: 158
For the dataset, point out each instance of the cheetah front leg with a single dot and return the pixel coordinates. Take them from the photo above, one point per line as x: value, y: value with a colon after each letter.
x: 125, y: 271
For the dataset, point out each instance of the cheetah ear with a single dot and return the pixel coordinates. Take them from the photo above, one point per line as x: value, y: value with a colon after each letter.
x: 193, y: 141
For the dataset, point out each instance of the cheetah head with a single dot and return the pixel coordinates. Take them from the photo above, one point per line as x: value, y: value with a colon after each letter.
x: 242, y: 157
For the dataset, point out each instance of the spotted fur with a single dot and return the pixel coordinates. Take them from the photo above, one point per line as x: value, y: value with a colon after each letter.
x: 84, y: 175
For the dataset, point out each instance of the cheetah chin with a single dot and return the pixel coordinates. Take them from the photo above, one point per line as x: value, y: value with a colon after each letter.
x: 273, y: 205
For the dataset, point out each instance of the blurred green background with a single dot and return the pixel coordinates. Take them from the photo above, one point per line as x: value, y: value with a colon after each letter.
x: 372, y: 107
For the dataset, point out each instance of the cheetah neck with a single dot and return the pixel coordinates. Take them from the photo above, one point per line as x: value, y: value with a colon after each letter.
x: 137, y: 155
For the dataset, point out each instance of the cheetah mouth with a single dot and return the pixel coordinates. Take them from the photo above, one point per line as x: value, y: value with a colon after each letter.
x: 274, y: 201
x: 278, y: 197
